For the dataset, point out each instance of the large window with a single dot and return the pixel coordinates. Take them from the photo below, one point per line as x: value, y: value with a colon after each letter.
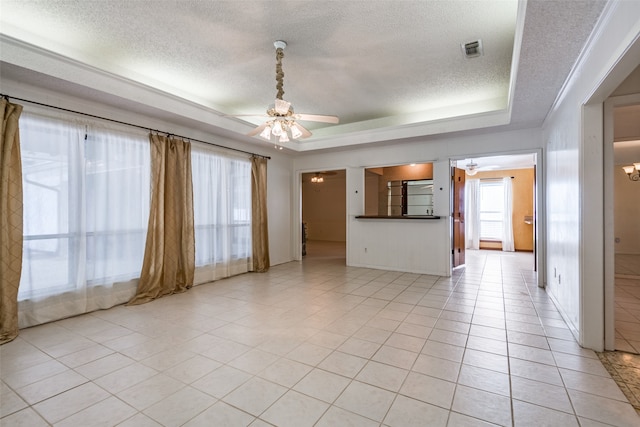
x: 86, y: 193
x: 222, y: 212
x: 85, y: 208
x: 491, y: 210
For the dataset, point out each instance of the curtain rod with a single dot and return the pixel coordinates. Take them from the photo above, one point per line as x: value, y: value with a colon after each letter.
x: 496, y: 179
x: 8, y: 97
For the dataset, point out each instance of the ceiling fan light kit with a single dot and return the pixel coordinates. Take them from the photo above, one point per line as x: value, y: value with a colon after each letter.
x: 283, y: 126
x: 633, y: 171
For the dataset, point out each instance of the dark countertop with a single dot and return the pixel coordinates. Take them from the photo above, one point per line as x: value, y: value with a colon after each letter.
x: 397, y: 217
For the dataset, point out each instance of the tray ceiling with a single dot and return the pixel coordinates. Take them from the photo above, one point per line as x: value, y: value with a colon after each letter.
x: 388, y: 69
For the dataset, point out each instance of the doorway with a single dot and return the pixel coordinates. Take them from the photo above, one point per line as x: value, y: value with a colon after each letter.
x: 324, y: 215
x: 624, y: 188
x: 486, y: 225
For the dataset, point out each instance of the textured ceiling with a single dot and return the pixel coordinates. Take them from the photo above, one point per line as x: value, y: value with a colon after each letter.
x: 379, y: 65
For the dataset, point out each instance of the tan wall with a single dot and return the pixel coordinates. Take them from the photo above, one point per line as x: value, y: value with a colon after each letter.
x: 371, y: 196
x: 626, y: 213
x: 627, y: 192
x: 324, y: 207
x: 523, y: 191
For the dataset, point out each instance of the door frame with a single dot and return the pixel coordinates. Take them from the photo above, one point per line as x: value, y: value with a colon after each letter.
x: 609, y: 214
x: 296, y: 234
x: 538, y: 207
x: 454, y: 200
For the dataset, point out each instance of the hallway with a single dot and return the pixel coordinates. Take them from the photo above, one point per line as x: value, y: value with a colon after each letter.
x: 319, y: 343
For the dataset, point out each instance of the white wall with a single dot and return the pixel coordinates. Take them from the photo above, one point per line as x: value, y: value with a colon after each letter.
x: 427, y: 242
x: 573, y: 133
x: 409, y: 245
x: 279, y: 208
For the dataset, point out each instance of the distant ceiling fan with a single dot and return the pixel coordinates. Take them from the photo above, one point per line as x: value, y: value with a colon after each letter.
x: 472, y: 168
x: 283, y: 124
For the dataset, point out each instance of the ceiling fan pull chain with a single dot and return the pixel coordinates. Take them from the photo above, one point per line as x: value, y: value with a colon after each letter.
x: 279, y: 73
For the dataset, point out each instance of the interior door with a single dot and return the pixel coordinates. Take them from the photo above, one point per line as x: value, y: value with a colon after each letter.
x: 458, y: 177
x: 535, y: 218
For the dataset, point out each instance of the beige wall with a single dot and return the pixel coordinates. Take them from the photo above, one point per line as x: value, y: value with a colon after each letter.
x: 523, y: 203
x: 626, y: 213
x: 371, y: 196
x: 627, y: 192
x: 324, y: 207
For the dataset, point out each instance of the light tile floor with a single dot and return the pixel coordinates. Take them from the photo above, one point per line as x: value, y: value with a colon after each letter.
x: 627, y: 265
x: 318, y: 343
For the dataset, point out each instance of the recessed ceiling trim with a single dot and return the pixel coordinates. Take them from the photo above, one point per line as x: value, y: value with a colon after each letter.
x: 473, y: 121
x: 32, y: 57
x: 515, y: 56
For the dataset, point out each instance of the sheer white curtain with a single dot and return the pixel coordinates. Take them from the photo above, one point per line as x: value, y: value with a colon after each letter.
x: 472, y: 213
x: 86, y: 204
x: 507, y: 221
x: 222, y: 214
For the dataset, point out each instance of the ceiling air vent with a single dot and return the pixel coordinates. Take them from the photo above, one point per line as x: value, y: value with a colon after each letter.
x: 472, y: 49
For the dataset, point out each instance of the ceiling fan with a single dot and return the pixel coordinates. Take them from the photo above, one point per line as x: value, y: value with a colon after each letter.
x: 472, y: 168
x: 283, y: 125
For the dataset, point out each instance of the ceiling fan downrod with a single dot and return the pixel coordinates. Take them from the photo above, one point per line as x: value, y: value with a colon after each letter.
x: 280, y: 45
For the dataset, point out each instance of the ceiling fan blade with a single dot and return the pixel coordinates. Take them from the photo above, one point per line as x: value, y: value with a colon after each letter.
x: 257, y: 130
x: 317, y: 118
x: 246, y: 115
x: 305, y: 132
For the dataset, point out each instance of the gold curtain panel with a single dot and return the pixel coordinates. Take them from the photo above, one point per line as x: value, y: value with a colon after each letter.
x: 10, y: 220
x: 169, y: 259
x: 259, y: 223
